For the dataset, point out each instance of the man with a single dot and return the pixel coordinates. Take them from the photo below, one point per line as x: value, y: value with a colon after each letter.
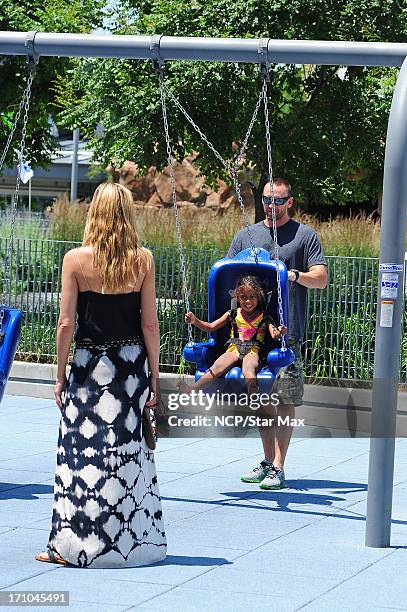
x: 301, y: 251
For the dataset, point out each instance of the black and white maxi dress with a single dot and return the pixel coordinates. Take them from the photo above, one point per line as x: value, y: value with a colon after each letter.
x: 107, y: 507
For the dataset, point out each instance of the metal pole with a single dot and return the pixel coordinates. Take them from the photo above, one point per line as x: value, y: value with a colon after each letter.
x: 207, y: 49
x: 29, y: 198
x: 405, y: 275
x: 74, y: 169
x: 388, y: 325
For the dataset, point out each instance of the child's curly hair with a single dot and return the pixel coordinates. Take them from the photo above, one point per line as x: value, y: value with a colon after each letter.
x: 255, y: 283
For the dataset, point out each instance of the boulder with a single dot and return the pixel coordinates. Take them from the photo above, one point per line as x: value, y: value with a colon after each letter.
x: 188, y: 184
x: 154, y: 188
x: 155, y: 200
x: 142, y: 187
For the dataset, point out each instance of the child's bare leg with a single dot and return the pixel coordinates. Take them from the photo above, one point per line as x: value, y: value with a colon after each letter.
x: 249, y: 367
x: 219, y: 367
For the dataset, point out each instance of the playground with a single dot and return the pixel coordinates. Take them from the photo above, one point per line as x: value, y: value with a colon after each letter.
x: 335, y: 537
x: 230, y: 544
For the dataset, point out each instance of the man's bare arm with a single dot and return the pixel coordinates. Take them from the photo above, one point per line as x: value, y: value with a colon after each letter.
x: 315, y: 278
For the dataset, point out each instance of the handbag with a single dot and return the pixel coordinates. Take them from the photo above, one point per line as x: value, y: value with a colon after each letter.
x: 148, y: 420
x: 148, y: 426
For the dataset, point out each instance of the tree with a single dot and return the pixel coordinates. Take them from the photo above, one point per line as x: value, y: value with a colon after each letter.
x: 328, y: 127
x: 44, y: 16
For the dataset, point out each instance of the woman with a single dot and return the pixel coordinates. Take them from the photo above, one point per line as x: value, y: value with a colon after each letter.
x: 107, y: 508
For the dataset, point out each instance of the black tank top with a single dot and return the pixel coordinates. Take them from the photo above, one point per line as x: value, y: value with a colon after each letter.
x: 104, y: 317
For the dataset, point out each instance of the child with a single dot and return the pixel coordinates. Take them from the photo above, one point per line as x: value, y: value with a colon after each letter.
x: 249, y: 325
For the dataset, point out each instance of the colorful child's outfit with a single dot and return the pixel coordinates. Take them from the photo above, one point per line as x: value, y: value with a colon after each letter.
x: 247, y: 335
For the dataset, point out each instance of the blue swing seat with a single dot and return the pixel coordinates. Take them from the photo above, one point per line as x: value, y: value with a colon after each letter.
x: 11, y: 329
x: 222, y: 278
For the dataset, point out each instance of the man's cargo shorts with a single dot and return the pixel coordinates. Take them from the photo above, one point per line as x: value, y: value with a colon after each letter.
x: 289, y: 383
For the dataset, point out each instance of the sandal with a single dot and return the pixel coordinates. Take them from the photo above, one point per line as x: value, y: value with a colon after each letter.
x: 49, y: 556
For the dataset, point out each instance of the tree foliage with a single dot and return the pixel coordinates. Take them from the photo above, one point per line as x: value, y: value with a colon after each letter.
x: 43, y: 16
x: 328, y: 128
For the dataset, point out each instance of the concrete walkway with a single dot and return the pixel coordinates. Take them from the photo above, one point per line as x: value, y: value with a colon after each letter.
x: 232, y: 546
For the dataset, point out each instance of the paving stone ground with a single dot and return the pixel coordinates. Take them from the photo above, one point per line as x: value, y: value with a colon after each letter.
x: 231, y: 545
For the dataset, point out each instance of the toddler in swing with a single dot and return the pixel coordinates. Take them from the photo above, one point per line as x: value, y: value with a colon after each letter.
x: 249, y: 325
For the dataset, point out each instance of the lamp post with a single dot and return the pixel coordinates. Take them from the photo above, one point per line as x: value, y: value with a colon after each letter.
x: 74, y: 170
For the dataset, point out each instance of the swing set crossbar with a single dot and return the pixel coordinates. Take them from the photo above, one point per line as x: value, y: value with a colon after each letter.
x: 244, y: 50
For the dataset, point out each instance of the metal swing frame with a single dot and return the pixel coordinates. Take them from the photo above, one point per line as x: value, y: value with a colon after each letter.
x: 394, y: 211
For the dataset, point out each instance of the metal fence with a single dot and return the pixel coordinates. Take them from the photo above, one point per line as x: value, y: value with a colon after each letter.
x: 341, y: 319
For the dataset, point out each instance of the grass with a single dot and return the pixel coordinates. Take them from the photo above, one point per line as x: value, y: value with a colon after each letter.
x: 22, y: 229
x: 357, y: 236
x: 338, y: 340
x: 67, y: 220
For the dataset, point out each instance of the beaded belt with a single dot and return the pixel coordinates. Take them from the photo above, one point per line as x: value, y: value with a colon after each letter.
x: 108, y: 344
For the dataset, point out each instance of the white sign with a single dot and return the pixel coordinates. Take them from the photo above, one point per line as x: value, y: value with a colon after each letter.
x: 386, y: 314
x: 390, y: 284
x: 391, y: 267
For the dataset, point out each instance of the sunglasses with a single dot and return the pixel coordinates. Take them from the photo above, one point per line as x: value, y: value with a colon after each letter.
x: 268, y: 200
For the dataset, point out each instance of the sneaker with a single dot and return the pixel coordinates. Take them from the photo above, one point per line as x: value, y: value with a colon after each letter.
x: 274, y: 479
x: 258, y: 473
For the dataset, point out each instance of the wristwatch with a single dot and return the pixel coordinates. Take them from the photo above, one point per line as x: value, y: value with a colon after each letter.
x: 296, y: 272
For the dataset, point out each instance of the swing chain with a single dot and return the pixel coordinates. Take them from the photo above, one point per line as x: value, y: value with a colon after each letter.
x: 174, y: 199
x: 197, y: 129
x: 244, y: 212
x: 32, y: 66
x: 273, y: 208
x: 24, y: 105
x: 249, y: 129
x: 234, y: 171
x: 230, y: 167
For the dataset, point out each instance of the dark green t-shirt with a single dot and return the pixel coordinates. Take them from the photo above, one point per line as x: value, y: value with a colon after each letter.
x: 299, y: 248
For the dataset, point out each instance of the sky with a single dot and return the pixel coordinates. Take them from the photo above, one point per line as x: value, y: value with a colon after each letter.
x: 110, y: 4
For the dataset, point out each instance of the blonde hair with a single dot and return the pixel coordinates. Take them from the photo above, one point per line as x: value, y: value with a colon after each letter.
x: 111, y: 232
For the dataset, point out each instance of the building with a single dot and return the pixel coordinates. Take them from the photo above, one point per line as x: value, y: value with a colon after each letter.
x: 54, y: 181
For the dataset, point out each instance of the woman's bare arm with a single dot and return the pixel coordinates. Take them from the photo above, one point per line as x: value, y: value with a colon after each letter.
x: 67, y: 316
x: 149, y: 319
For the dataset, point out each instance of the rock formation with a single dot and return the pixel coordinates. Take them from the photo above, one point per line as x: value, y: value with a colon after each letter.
x: 154, y: 188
